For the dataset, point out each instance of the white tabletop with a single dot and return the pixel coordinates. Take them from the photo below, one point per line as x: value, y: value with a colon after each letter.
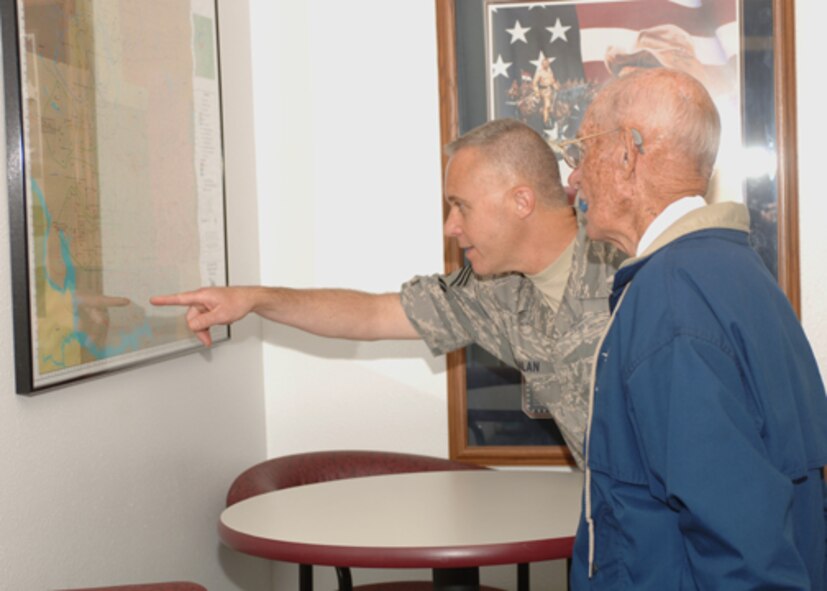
x: 430, y: 519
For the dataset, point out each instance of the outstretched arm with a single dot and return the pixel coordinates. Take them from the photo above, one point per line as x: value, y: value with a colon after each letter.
x: 338, y: 313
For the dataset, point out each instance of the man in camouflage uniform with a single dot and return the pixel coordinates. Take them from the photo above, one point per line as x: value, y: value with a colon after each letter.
x: 534, y: 292
x: 508, y: 317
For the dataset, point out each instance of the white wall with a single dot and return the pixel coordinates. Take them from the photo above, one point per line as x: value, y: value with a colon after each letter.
x: 812, y: 130
x: 121, y: 479
x: 347, y: 143
x: 348, y: 162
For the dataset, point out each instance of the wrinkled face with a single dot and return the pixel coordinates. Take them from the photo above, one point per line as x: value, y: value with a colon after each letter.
x: 479, y: 218
x: 597, y: 179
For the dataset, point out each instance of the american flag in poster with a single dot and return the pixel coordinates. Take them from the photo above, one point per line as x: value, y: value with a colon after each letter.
x: 547, y: 59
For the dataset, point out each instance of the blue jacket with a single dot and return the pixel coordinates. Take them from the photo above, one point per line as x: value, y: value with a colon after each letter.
x: 709, y: 425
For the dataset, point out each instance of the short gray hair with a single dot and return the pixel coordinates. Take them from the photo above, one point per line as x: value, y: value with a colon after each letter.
x: 670, y: 108
x: 518, y: 150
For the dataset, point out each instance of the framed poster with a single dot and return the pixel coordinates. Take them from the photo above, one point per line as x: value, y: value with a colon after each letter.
x: 115, y: 179
x: 542, y: 62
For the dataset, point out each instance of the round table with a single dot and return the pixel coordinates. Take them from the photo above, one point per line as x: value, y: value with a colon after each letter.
x: 452, y: 522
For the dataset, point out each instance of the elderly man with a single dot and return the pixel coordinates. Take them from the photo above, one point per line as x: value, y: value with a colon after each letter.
x: 534, y: 293
x: 708, y: 428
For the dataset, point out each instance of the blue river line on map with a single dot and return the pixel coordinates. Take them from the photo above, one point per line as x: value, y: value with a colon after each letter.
x: 129, y: 340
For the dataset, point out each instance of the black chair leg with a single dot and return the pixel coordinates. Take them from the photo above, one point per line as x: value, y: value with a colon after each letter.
x: 523, y: 578
x: 305, y: 577
x: 344, y: 578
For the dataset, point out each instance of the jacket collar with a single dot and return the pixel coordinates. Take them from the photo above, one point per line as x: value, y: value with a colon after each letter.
x: 717, y: 216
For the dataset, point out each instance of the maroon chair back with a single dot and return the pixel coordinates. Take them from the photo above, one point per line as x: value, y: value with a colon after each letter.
x: 312, y: 467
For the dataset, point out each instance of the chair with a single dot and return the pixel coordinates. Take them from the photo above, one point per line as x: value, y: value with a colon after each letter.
x: 171, y: 586
x: 312, y: 467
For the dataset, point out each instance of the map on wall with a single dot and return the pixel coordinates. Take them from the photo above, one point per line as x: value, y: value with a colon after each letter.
x: 120, y: 192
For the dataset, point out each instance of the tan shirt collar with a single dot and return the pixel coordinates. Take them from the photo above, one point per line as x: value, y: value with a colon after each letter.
x: 552, y: 280
x: 726, y: 216
x: 673, y: 212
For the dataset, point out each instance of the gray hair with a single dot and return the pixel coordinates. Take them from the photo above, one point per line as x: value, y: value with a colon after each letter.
x: 517, y: 150
x: 673, y: 111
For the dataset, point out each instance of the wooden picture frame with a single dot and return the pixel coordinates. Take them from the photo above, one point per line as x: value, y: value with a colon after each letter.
x: 767, y: 107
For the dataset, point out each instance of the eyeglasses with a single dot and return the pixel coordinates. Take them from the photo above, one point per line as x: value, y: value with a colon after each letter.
x: 573, y: 150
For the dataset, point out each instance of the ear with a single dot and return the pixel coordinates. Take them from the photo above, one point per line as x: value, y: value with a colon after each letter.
x: 524, y: 200
x: 632, y: 148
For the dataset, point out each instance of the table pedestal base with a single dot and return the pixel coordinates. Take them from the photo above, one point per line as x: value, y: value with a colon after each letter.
x: 456, y: 579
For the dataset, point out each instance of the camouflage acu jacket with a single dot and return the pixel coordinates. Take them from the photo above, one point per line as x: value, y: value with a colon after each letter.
x: 507, y: 315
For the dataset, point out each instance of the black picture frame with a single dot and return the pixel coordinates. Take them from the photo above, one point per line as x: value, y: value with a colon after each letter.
x: 105, y: 331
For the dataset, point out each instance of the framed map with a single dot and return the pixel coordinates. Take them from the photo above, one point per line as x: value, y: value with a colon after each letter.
x: 115, y: 179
